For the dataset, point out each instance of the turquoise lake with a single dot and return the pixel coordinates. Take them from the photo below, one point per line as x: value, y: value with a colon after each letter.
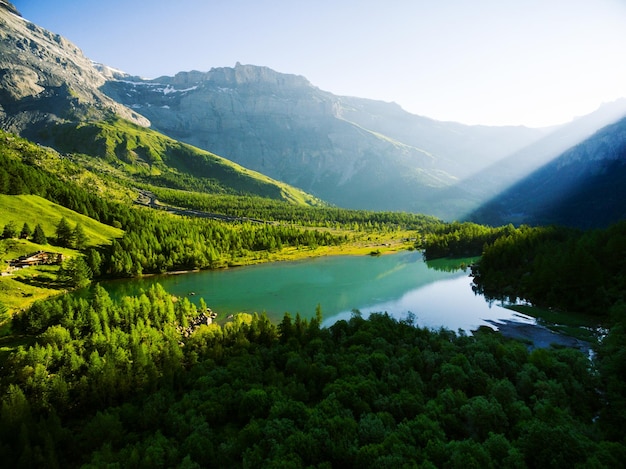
x: 396, y: 284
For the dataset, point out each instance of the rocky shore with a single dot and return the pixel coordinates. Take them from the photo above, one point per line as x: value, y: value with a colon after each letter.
x: 537, y: 336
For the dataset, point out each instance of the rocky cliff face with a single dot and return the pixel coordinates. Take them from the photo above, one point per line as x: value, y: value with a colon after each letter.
x: 353, y: 152
x: 279, y: 125
x: 44, y: 78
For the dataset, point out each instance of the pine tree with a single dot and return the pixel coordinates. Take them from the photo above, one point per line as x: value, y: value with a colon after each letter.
x: 94, y: 261
x: 64, y: 233
x: 26, y: 231
x: 39, y: 237
x: 9, y: 231
x: 76, y: 272
x: 79, y: 237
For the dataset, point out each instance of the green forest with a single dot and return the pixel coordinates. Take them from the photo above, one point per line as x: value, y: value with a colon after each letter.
x: 89, y: 381
x: 562, y: 268
x: 118, y: 384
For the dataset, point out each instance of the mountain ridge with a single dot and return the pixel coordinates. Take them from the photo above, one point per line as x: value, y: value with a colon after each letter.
x: 50, y: 93
x: 44, y: 78
x: 583, y: 187
x: 353, y: 152
x: 283, y: 126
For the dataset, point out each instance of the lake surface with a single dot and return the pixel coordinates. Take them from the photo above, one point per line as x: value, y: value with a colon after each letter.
x: 396, y: 284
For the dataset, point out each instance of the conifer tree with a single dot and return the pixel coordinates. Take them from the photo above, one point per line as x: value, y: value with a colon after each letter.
x: 39, y: 237
x: 76, y: 272
x: 64, y: 233
x: 9, y: 231
x: 26, y: 231
x: 79, y: 237
x: 94, y: 262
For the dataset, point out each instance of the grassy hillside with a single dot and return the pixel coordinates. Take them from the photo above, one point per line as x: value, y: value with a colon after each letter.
x: 150, y: 157
x: 21, y: 289
x: 33, y: 209
x: 25, y: 286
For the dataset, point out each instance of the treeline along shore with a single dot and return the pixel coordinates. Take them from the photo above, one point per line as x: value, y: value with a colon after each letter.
x: 90, y: 381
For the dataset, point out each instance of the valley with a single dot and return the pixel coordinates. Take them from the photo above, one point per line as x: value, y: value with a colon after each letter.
x: 335, y: 237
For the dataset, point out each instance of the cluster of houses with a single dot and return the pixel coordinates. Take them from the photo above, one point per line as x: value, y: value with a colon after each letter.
x: 36, y: 258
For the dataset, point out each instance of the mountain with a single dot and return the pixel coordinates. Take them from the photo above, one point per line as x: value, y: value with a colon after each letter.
x: 51, y: 93
x: 462, y: 149
x: 583, y: 187
x: 485, y: 185
x: 45, y: 79
x: 353, y: 152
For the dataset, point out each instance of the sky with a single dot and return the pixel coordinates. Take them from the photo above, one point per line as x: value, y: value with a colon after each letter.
x: 493, y: 62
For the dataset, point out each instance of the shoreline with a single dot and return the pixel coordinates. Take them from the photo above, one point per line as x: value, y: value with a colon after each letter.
x: 539, y: 336
x: 298, y: 255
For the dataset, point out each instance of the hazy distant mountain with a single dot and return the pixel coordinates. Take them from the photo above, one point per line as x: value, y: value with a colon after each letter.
x: 352, y: 152
x: 584, y: 187
x: 463, y: 148
x: 487, y: 184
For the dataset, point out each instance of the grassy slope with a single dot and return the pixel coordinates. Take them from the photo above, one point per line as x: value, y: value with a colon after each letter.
x: 33, y: 209
x: 149, y: 156
x: 28, y: 285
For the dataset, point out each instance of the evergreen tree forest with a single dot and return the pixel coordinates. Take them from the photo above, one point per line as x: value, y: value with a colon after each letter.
x: 458, y: 239
x: 89, y: 381
x: 155, y: 242
x: 124, y: 384
x: 273, y: 210
x: 560, y: 268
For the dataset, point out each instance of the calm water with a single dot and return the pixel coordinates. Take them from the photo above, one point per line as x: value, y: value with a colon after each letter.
x: 398, y: 284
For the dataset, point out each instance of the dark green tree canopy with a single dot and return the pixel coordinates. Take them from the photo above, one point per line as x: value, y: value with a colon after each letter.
x: 79, y: 237
x: 64, y: 233
x: 26, y: 231
x: 39, y: 237
x: 9, y: 231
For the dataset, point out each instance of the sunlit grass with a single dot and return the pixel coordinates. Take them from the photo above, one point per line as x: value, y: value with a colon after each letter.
x: 34, y: 210
x: 25, y: 286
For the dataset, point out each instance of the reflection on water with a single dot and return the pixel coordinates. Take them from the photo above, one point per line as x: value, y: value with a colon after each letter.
x: 450, y: 303
x: 437, y: 294
x: 451, y: 265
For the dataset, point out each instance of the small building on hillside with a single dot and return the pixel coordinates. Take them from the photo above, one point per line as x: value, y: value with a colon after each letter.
x: 37, y: 258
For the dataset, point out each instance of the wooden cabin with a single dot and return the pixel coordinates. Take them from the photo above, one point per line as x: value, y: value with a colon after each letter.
x: 37, y: 258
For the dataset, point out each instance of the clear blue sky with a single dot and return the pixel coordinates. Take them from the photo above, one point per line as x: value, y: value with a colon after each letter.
x: 531, y: 62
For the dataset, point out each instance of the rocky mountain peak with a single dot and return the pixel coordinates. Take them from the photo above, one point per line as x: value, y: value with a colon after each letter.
x: 9, y: 7
x: 110, y: 73
x: 184, y: 79
x: 238, y: 76
x: 252, y: 74
x: 46, y: 78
